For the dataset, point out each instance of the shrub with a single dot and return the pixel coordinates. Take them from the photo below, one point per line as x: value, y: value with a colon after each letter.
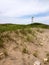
x: 5, y: 53
x: 22, y: 31
x: 25, y: 50
x: 30, y: 38
x: 48, y: 59
x: 35, y: 54
x: 47, y: 54
x: 1, y: 43
x: 40, y: 31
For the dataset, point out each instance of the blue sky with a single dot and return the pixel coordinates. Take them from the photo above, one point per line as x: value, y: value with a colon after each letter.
x: 21, y: 11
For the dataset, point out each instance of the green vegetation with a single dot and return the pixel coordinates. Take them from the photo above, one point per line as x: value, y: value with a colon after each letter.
x: 47, y: 54
x: 23, y: 31
x: 29, y: 30
x: 11, y: 27
x: 35, y: 54
x: 5, y: 53
x: 48, y: 60
x: 1, y: 43
x: 41, y: 31
x: 25, y: 50
x: 30, y: 38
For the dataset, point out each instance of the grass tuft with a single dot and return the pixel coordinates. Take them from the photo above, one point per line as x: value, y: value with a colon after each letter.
x: 1, y: 43
x: 25, y: 50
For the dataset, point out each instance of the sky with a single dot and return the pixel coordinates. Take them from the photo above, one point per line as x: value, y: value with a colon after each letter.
x: 22, y: 11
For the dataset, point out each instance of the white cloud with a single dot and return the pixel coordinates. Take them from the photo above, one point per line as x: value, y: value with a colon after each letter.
x: 43, y: 19
x: 18, y: 8
x: 15, y: 20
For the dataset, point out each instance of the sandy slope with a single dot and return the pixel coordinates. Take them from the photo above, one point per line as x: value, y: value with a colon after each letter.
x: 35, y: 43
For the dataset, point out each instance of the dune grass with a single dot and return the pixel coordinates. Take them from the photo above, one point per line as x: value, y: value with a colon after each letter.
x: 1, y: 43
x: 11, y: 27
